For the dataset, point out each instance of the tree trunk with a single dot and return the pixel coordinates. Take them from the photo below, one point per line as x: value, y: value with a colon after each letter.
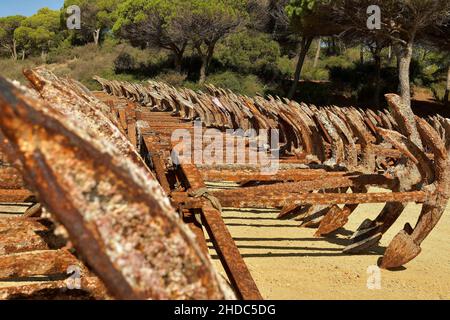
x: 304, y: 48
x: 96, y: 35
x: 317, y: 57
x: 361, y: 55
x: 206, y: 60
x: 203, y: 69
x: 424, y: 55
x: 405, y: 56
x: 377, y: 58
x: 178, y: 62
x: 179, y: 53
x: 14, y: 49
x: 333, y: 44
x: 23, y: 55
x: 43, y: 56
x: 447, y: 90
x: 390, y: 55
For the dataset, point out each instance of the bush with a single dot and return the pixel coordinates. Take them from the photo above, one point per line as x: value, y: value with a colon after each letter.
x: 438, y: 90
x: 109, y: 44
x: 424, y: 74
x: 360, y: 79
x: 193, y: 85
x: 286, y: 67
x: 61, y: 53
x: 317, y: 73
x: 248, y: 85
x: 311, y: 92
x: 13, y: 69
x: 249, y: 52
x: 343, y: 62
x: 173, y: 78
x: 124, y: 63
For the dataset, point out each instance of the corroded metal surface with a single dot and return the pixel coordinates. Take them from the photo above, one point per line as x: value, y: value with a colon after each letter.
x: 90, y: 289
x: 105, y: 171
x: 33, y: 265
x: 357, y: 149
x: 232, y: 261
x: 117, y: 216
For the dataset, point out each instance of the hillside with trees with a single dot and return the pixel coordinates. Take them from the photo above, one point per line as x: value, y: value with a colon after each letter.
x: 316, y: 51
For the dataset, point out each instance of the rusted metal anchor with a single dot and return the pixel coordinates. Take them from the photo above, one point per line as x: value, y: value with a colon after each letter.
x: 406, y: 244
x: 119, y: 220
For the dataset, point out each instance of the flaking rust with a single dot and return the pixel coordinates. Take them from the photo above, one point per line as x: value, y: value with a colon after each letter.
x: 342, y: 150
x: 90, y: 289
x: 406, y: 244
x: 119, y: 220
x: 80, y: 157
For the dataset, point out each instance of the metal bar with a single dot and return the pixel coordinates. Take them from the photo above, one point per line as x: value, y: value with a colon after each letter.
x: 229, y: 254
x: 105, y: 198
x: 304, y: 186
x: 276, y: 200
x: 14, y: 195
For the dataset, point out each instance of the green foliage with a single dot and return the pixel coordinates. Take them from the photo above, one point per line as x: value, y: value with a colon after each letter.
x: 107, y: 13
x: 312, y: 74
x: 61, y: 53
x: 286, y: 67
x: 40, y: 32
x: 150, y: 35
x: 8, y: 25
x: 136, y: 11
x: 438, y: 90
x: 428, y: 67
x: 248, y: 85
x: 96, y: 15
x: 339, y: 61
x: 304, y: 13
x: 297, y: 8
x: 156, y: 23
x: 173, y: 24
x: 124, y: 63
x: 25, y: 38
x: 173, y: 78
x: 217, y: 9
x: 45, y: 18
x: 360, y: 79
x: 13, y: 69
x: 247, y: 52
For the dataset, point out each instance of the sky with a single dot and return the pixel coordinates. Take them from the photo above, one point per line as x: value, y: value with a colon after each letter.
x: 26, y: 7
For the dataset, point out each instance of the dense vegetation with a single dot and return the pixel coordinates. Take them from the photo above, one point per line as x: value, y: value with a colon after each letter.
x: 318, y: 51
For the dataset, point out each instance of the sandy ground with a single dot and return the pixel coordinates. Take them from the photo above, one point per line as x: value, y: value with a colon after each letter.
x: 287, y: 262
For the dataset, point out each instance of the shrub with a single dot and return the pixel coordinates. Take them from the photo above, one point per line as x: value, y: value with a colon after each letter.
x: 248, y: 85
x: 360, y: 79
x: 124, y: 63
x: 173, y: 78
x: 311, y: 92
x: 317, y: 73
x: 338, y: 62
x: 249, y: 52
x: 13, y: 69
x: 109, y: 44
x: 285, y: 67
x: 61, y: 53
x: 438, y: 90
x: 192, y: 85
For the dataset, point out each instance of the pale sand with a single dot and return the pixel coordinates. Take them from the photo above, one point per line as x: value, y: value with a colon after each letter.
x: 287, y: 262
